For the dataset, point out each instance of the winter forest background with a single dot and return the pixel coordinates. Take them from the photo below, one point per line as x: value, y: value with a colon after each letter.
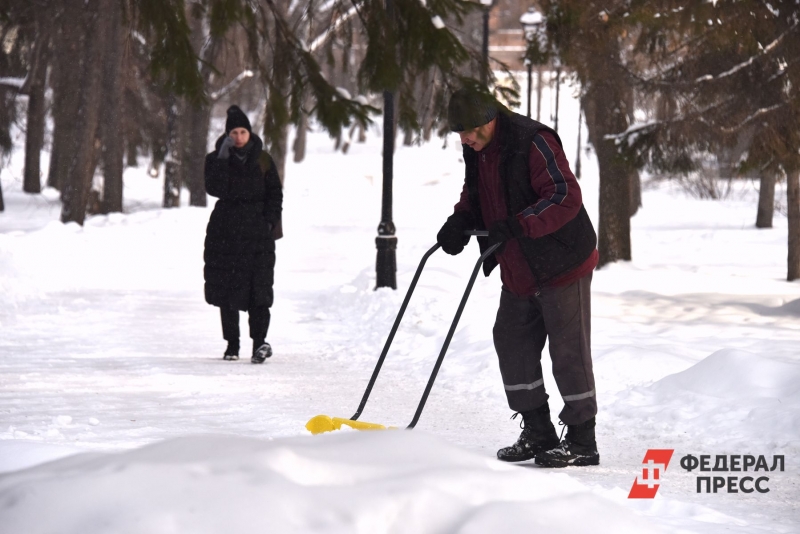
x: 696, y: 91
x: 680, y: 118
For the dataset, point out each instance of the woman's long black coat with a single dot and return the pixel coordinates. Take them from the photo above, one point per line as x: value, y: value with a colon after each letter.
x: 239, y: 248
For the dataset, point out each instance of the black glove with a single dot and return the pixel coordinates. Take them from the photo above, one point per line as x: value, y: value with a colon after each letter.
x: 505, y: 230
x: 225, y: 147
x: 451, y: 237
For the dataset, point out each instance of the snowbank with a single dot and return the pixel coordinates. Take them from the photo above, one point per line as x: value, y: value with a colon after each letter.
x: 370, y: 482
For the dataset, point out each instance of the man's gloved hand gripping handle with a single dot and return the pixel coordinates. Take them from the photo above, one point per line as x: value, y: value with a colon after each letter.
x: 451, y: 237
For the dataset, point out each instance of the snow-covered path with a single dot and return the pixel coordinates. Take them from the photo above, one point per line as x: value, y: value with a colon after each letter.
x: 107, y: 344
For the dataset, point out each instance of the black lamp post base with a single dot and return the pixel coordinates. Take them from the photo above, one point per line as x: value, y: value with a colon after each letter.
x: 386, y: 264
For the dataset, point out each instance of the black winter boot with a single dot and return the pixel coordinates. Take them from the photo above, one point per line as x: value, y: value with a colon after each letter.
x: 232, y: 352
x: 538, y: 435
x: 261, y: 351
x: 578, y: 448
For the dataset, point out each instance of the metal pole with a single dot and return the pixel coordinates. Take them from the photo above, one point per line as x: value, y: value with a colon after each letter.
x: 386, y: 242
x: 558, y: 87
x: 578, y: 155
x: 539, y: 93
x: 485, y: 77
x: 530, y: 83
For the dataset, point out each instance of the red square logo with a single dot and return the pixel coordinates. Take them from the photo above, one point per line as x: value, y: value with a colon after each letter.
x: 655, y: 462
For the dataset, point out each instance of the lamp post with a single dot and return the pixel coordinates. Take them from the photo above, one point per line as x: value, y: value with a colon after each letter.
x: 529, y: 65
x: 386, y: 242
x: 558, y: 89
x: 487, y: 7
x: 578, y: 156
x: 532, y: 25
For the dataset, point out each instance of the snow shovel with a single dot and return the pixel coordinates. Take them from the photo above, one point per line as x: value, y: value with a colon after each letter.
x: 324, y: 423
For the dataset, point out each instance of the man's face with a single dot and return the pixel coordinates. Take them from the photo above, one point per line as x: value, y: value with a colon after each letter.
x: 478, y: 138
x: 240, y: 137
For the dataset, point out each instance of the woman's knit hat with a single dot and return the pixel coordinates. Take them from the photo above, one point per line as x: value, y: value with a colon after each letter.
x: 237, y: 119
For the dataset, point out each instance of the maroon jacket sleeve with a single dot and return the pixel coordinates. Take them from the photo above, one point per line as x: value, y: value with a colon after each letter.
x: 463, y: 203
x: 551, y: 178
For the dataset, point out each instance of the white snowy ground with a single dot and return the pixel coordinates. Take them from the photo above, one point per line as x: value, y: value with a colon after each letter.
x: 117, y: 413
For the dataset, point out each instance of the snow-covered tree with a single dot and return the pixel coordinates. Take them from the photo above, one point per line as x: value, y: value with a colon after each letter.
x: 590, y: 38
x: 297, y: 45
x: 293, y: 48
x: 727, y: 71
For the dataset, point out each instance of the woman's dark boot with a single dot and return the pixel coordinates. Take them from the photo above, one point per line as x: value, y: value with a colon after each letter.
x: 538, y: 435
x: 577, y: 448
x: 232, y: 352
x: 261, y: 351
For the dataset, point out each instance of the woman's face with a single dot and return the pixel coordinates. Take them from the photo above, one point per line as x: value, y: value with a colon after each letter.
x: 240, y: 137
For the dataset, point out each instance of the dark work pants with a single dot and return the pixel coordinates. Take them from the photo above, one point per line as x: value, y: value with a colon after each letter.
x: 258, y: 318
x: 562, y: 315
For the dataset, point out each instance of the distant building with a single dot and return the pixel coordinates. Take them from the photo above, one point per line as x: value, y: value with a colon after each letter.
x: 506, y: 38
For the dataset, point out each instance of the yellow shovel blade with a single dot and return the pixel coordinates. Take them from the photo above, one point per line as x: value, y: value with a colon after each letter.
x: 323, y: 423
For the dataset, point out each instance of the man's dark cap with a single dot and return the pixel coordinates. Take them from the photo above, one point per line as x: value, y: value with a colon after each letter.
x: 468, y: 110
x: 237, y: 119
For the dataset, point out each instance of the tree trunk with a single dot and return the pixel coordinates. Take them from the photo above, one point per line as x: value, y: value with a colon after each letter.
x: 299, y: 145
x: 606, y: 105
x: 172, y: 171
x: 196, y: 153
x: 199, y: 116
x: 184, y: 142
x: 276, y: 124
x: 635, y: 177
x: 138, y: 108
x: 68, y: 46
x: 34, y: 137
x: 278, y: 152
x: 766, y: 199
x: 113, y: 140
x: 728, y: 159
x: 793, y: 209
x: 132, y: 142
x: 636, y: 192
x: 408, y: 138
x: 614, y: 227
x: 75, y: 193
x: 2, y: 204
x: 52, y: 172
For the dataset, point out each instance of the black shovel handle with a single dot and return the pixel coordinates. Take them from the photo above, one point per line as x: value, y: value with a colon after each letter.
x: 450, y: 333
x: 400, y: 316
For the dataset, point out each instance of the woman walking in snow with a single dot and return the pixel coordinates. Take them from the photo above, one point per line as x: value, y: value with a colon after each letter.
x: 240, y: 237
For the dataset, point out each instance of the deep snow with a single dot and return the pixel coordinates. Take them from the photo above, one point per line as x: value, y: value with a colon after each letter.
x: 109, y: 351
